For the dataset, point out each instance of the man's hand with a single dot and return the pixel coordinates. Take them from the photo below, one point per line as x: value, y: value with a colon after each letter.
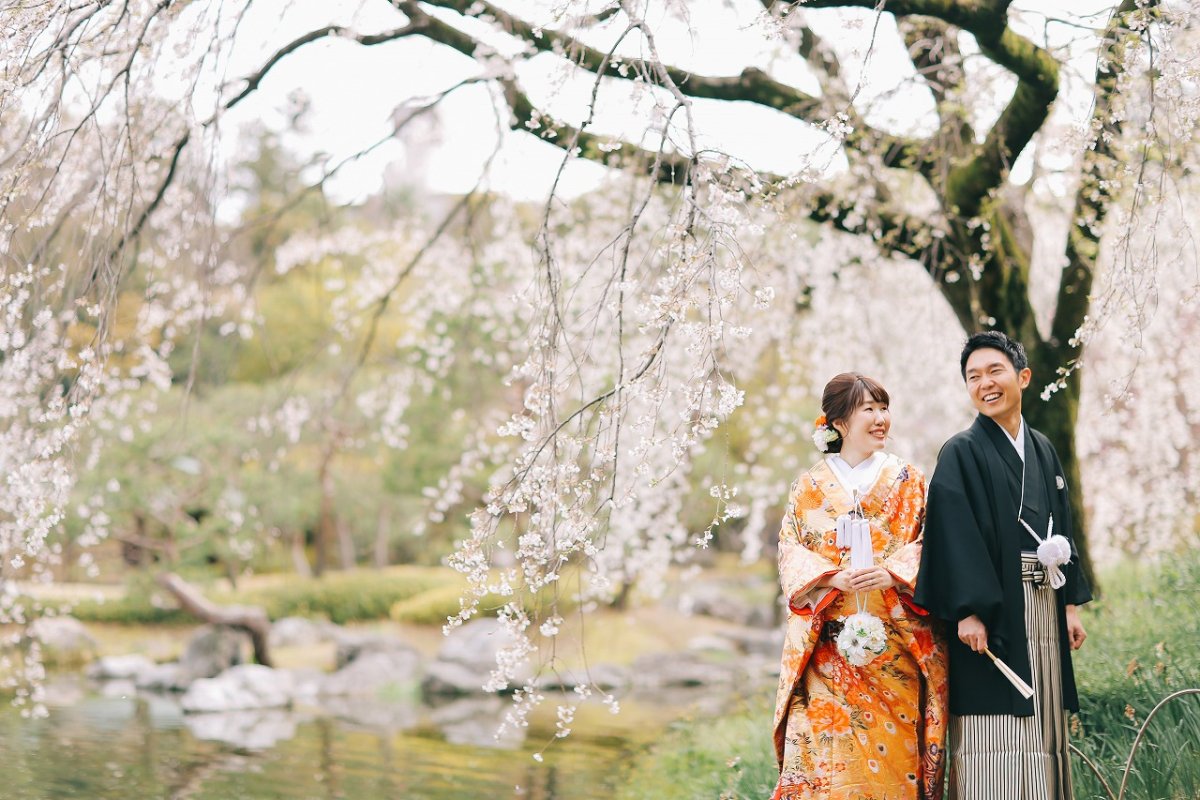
x: 1075, y: 632
x: 973, y: 633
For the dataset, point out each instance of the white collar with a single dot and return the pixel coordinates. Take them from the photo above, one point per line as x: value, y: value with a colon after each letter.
x: 859, y: 478
x: 1018, y: 441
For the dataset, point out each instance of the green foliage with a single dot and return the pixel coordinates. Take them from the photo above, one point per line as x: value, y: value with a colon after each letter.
x: 730, y: 757
x: 339, y: 596
x: 1144, y: 643
x: 348, y: 596
x: 431, y: 607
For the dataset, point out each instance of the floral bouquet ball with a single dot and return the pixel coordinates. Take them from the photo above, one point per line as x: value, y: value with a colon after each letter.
x: 862, y: 638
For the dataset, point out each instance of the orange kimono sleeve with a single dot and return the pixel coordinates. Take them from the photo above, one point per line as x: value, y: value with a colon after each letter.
x: 800, y: 568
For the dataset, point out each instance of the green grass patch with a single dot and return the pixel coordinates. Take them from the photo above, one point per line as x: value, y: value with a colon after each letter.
x: 729, y: 757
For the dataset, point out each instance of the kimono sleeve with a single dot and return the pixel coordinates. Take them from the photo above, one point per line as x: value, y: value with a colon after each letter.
x: 957, y: 575
x: 905, y: 562
x: 799, y: 567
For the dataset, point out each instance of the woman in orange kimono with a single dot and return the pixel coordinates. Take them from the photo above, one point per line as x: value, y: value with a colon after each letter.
x: 861, y: 711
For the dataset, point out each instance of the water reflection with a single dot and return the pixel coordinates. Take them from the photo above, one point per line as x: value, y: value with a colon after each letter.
x: 110, y: 741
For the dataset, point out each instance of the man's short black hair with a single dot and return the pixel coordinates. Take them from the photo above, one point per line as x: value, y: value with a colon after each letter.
x: 994, y: 340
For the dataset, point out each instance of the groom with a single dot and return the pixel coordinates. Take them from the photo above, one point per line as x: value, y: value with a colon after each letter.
x: 996, y: 485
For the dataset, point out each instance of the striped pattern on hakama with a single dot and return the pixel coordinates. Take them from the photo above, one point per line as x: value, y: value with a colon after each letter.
x: 1005, y: 757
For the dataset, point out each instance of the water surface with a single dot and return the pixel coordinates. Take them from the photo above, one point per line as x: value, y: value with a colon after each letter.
x: 111, y: 742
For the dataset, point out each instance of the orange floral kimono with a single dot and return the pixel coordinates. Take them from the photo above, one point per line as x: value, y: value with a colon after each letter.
x: 843, y: 732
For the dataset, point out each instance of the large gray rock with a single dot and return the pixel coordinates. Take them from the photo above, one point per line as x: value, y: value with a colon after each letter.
x: 667, y: 670
x: 119, y: 668
x: 244, y: 687
x: 476, y: 644
x: 373, y: 673
x: 351, y: 646
x: 467, y: 658
x: 450, y: 679
x: 62, y: 640
x: 212, y: 650
x: 757, y: 641
x: 299, y: 632
x: 598, y: 676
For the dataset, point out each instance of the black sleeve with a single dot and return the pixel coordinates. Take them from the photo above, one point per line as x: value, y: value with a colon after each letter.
x: 958, y: 575
x: 1076, y: 590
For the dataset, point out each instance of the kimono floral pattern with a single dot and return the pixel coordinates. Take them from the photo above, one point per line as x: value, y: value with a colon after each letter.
x: 842, y: 732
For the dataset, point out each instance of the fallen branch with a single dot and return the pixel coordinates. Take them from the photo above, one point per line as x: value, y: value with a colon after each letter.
x: 248, y: 619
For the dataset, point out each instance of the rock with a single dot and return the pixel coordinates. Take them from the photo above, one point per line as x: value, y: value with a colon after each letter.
x: 212, y: 650
x: 249, y: 730
x: 372, y: 673
x: 162, y: 678
x: 352, y: 646
x: 664, y: 670
x: 709, y: 643
x: 298, y: 632
x: 121, y: 688
x: 599, y: 676
x: 113, y: 668
x: 246, y: 686
x: 449, y: 679
x: 306, y: 684
x: 63, y: 640
x: 476, y: 644
x: 758, y: 642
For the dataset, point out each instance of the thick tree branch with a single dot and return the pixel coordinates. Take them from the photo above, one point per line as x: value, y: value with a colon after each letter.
x: 1094, y: 196
x: 1026, y: 112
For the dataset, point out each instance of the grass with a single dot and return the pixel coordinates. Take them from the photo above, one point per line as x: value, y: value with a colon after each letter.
x: 1144, y: 644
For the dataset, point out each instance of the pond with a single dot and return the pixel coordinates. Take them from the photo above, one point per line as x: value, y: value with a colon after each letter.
x: 111, y: 742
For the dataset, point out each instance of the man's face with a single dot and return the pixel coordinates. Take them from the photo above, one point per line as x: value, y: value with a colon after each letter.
x: 994, y: 383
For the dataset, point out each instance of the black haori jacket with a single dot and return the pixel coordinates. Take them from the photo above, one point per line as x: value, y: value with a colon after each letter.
x: 971, y: 560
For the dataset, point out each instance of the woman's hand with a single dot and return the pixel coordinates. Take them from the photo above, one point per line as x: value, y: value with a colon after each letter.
x: 870, y: 579
x: 840, y: 580
x: 861, y: 580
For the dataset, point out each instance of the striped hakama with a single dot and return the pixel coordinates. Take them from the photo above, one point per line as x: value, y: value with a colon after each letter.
x: 1006, y: 757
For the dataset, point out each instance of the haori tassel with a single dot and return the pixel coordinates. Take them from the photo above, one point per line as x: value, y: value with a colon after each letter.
x: 1052, y: 552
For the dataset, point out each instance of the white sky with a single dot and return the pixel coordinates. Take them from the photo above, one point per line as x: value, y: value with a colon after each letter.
x: 354, y: 91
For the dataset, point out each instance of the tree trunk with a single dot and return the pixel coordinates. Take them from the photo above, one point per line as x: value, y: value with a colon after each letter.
x: 1056, y: 418
x: 382, y: 554
x: 325, y: 522
x: 346, y: 545
x: 299, y: 559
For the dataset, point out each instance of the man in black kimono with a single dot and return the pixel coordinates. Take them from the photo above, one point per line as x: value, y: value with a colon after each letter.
x: 998, y: 490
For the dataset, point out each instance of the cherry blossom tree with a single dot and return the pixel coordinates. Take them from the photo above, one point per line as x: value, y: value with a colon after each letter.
x: 1013, y: 180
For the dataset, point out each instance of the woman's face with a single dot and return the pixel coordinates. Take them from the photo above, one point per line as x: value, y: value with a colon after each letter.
x: 866, y: 430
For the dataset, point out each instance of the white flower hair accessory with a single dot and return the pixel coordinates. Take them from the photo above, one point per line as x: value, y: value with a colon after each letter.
x: 862, y: 638
x: 823, y: 434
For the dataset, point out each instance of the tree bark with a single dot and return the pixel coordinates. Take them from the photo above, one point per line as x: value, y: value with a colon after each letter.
x: 251, y: 620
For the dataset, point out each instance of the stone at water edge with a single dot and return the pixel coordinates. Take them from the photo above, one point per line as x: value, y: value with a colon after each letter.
x: 114, y: 668
x: 373, y: 673
x: 246, y: 686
